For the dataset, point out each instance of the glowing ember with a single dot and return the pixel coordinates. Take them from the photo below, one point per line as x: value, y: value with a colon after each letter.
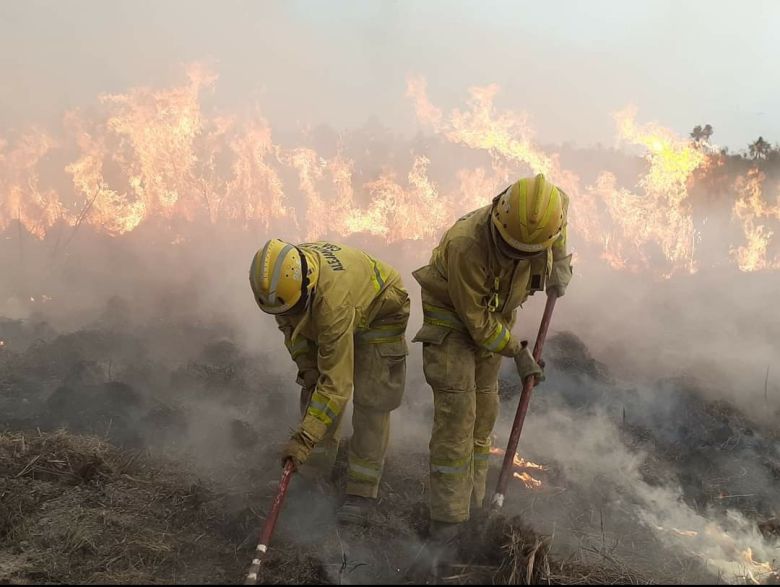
x: 520, y: 463
x: 527, y: 480
x: 755, y: 571
x: 523, y: 464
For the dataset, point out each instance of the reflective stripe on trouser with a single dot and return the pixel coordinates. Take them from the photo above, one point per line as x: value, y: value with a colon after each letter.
x: 380, y: 372
x: 371, y: 430
x: 464, y: 382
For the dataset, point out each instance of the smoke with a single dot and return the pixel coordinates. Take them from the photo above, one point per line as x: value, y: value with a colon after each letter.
x: 607, y: 476
x: 138, y: 210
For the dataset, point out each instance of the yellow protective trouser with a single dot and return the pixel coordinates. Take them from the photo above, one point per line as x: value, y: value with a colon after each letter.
x: 464, y: 379
x: 380, y: 373
x: 379, y: 377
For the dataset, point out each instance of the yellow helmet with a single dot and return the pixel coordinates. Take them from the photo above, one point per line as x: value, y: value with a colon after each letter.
x: 529, y: 215
x: 279, y: 277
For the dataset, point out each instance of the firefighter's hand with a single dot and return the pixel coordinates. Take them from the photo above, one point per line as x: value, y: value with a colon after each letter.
x: 526, y: 365
x: 296, y: 450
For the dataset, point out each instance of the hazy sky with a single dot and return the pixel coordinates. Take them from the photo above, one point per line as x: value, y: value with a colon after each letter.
x: 568, y: 64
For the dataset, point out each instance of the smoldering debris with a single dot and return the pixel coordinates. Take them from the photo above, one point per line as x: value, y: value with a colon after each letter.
x: 639, y: 485
x: 77, y: 510
x: 649, y: 472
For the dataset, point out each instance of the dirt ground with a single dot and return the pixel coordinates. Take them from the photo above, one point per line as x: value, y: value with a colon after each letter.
x: 116, y: 467
x: 76, y: 510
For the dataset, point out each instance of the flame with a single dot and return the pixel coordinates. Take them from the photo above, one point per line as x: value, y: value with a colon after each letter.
x: 158, y: 154
x: 528, y: 481
x: 661, y: 214
x: 23, y: 197
x: 749, y: 209
x: 757, y: 572
x: 724, y: 552
x: 684, y: 533
x: 628, y: 226
x: 504, y: 135
x: 518, y: 462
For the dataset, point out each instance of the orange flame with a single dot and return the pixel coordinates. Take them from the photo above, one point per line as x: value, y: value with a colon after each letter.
x: 23, y: 198
x: 158, y: 154
x: 520, y: 463
x: 661, y: 215
x: 749, y: 209
x: 527, y: 480
x: 757, y: 572
x: 623, y: 223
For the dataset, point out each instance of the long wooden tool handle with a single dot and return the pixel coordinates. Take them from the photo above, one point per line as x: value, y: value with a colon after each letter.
x: 270, y: 524
x: 522, y: 407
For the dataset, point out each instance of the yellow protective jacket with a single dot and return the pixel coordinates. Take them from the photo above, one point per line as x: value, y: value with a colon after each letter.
x: 472, y: 287
x: 357, y: 299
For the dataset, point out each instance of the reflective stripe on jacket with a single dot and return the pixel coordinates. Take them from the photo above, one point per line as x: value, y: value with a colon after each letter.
x: 357, y: 298
x: 470, y: 286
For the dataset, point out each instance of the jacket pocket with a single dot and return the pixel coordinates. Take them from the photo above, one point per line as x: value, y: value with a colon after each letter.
x: 393, y: 349
x: 380, y: 374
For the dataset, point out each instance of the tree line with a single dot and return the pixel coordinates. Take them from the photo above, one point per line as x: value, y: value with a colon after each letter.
x: 758, y: 150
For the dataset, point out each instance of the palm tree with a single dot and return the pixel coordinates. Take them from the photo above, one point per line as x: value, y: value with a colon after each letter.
x: 697, y: 134
x: 759, y: 149
x: 700, y: 135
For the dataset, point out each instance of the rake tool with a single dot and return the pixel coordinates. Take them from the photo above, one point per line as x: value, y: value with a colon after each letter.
x: 270, y: 524
x: 522, y: 407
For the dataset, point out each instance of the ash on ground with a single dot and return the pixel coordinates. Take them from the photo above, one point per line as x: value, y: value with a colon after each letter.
x: 122, y: 464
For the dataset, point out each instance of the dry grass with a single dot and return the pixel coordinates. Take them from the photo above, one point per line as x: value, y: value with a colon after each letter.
x: 75, y: 510
x: 503, y: 551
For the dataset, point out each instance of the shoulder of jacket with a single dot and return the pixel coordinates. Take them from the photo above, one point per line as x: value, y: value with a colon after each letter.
x: 330, y: 298
x: 463, y: 243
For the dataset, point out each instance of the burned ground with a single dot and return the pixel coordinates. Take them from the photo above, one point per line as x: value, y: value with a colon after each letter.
x: 120, y: 466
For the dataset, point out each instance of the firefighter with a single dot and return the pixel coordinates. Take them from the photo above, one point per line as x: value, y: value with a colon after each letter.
x: 343, y: 314
x: 485, y: 266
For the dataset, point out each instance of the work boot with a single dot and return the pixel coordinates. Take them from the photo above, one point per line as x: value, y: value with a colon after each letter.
x: 444, y: 532
x: 443, y: 545
x: 355, y: 510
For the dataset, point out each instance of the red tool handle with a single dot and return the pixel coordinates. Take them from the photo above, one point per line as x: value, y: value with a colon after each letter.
x: 270, y: 524
x: 522, y: 407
